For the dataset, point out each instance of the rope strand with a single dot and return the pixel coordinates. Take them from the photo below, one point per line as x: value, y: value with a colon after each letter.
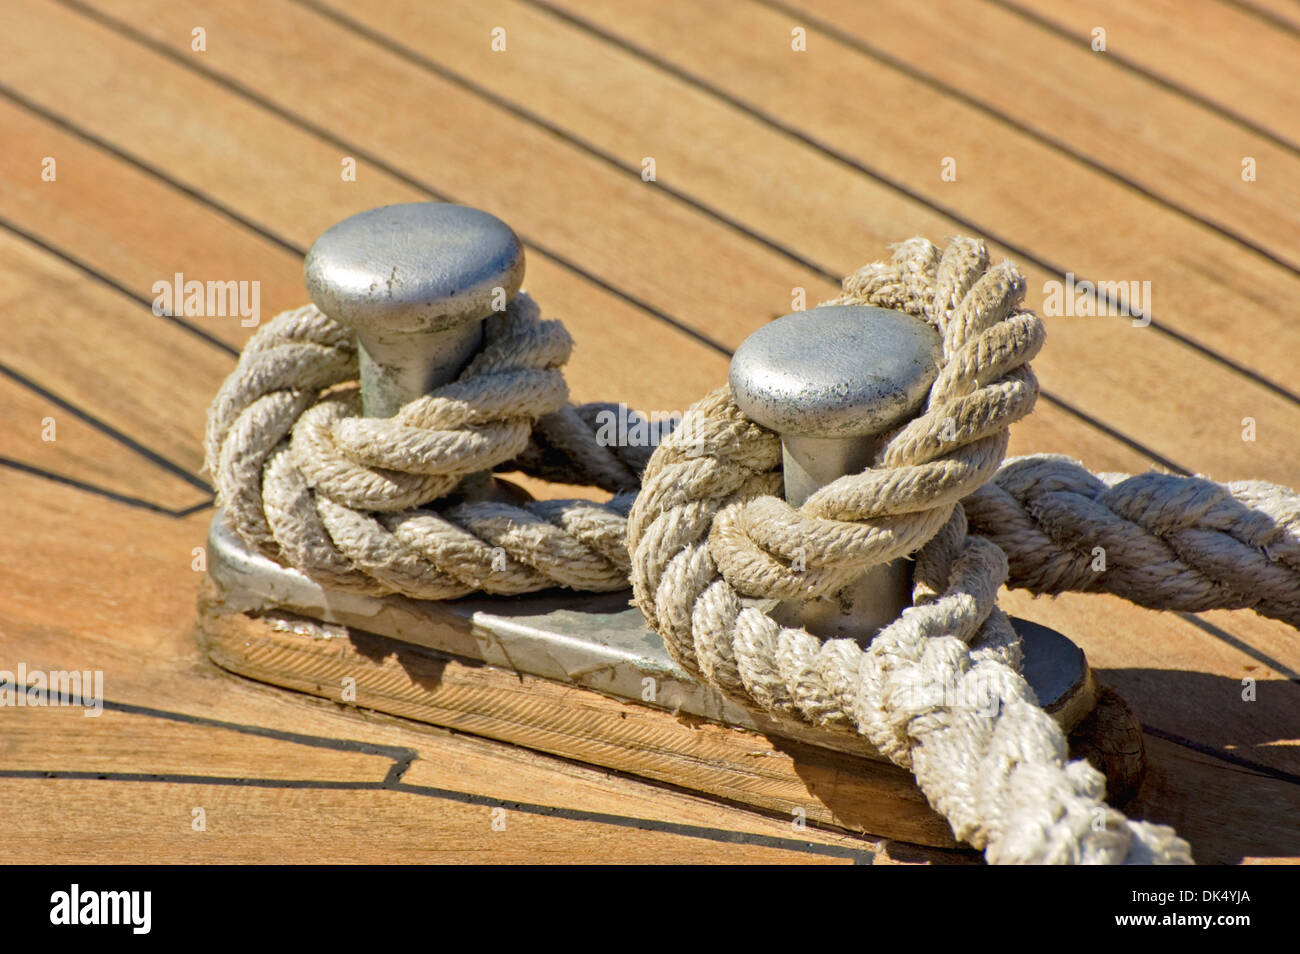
x: 372, y: 506
x: 706, y: 535
x: 307, y: 481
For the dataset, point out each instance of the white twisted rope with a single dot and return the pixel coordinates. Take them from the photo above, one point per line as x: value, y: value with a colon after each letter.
x: 351, y: 502
x: 705, y: 533
x: 1166, y: 542
x: 307, y: 481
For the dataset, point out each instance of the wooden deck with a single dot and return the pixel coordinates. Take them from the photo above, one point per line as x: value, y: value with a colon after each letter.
x: 775, y: 169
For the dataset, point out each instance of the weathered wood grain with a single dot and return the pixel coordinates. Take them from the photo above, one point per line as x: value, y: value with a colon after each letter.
x: 1072, y: 216
x: 103, y: 209
x: 775, y: 170
x: 1188, y: 447
x: 739, y: 766
x: 1248, y: 828
x: 122, y: 601
x: 80, y: 822
x: 1075, y: 98
x: 98, y: 349
x: 1217, y: 51
x: 39, y: 431
x: 68, y: 740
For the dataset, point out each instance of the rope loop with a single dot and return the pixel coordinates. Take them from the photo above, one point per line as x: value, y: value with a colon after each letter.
x: 349, y: 500
x: 709, y: 535
x: 697, y: 523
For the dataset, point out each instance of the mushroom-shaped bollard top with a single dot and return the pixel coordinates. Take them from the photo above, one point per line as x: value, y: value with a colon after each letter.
x: 830, y: 381
x: 415, y: 282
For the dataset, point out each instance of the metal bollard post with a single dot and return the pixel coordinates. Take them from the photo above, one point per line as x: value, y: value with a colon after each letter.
x: 830, y: 381
x: 415, y: 282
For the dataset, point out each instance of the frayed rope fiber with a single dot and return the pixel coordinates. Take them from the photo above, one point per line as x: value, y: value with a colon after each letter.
x: 698, y: 526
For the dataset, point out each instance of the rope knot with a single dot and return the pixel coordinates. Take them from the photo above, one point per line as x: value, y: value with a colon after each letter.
x: 305, y: 479
x: 483, y: 418
x: 938, y: 690
x: 358, y: 504
x: 764, y: 547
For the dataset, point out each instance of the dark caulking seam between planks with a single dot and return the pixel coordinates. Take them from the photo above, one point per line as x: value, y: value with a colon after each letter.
x: 1238, y: 760
x: 87, y: 136
x: 904, y: 190
x: 218, y: 79
x: 403, y: 757
x: 416, y: 59
x: 1268, y: 16
x: 107, y: 429
x: 131, y: 33
x: 856, y: 43
x: 73, y: 129
x: 560, y: 260
x: 1172, y: 85
x: 1242, y: 646
x: 725, y: 836
x: 110, y: 281
x: 1223, y: 756
x: 112, y: 495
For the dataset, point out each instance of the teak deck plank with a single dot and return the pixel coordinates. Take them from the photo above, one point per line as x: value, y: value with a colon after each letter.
x: 76, y: 823
x: 142, y: 251
x: 83, y: 452
x: 1225, y: 797
x: 1185, y: 712
x: 107, y: 354
x: 138, y: 629
x: 590, y: 312
x: 1062, y: 212
x: 1283, y: 13
x: 772, y: 174
x: 91, y: 744
x: 1098, y: 365
x: 1075, y: 99
x: 99, y: 198
x: 1221, y: 52
x: 140, y: 635
x: 1186, y: 680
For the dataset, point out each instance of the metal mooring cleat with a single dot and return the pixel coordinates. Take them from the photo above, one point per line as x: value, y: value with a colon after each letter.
x: 416, y: 280
x: 830, y: 381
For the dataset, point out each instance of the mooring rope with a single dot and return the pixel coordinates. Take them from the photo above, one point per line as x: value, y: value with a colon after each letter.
x: 308, y: 482
x: 1159, y: 540
x: 304, y: 479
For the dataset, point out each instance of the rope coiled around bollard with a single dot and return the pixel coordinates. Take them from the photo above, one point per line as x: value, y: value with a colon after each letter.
x: 308, y: 482
x: 706, y: 533
x: 351, y: 502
